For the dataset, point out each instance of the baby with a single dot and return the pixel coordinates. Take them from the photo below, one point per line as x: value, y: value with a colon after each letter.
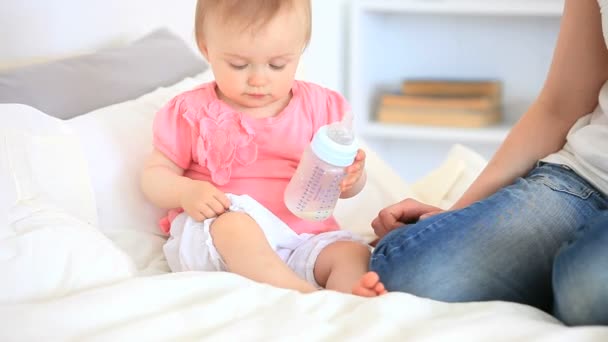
x: 244, y: 134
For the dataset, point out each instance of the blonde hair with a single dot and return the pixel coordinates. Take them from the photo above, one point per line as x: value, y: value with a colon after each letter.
x: 250, y: 13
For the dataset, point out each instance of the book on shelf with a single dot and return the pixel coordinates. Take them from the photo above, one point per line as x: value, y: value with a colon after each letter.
x: 443, y: 103
x: 430, y: 87
x: 477, y: 103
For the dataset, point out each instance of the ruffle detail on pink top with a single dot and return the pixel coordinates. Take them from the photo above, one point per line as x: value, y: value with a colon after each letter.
x: 224, y: 138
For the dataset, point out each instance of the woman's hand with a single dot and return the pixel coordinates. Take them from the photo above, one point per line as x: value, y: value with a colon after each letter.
x: 202, y: 200
x: 404, y: 212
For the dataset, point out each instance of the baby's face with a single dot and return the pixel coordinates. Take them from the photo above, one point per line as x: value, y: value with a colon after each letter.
x: 255, y: 70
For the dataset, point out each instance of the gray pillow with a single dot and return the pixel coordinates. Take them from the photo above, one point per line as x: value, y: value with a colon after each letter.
x: 74, y: 86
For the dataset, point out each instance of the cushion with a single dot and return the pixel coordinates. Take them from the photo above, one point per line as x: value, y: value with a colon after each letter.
x: 41, y: 158
x: 443, y: 186
x: 116, y: 140
x: 48, y: 212
x: 70, y: 87
x: 383, y: 188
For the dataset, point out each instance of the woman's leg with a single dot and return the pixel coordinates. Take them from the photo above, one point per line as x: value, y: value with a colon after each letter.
x: 501, y: 248
x: 245, y: 250
x: 580, y: 276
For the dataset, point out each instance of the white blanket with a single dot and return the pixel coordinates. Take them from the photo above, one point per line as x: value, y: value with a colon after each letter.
x: 223, y: 307
x: 76, y: 266
x: 101, y: 297
x: 226, y: 307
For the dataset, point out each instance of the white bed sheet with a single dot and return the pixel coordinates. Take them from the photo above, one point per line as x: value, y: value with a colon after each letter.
x: 225, y: 307
x: 154, y: 305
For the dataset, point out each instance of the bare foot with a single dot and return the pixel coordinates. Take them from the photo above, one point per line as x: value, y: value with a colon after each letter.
x: 369, y: 285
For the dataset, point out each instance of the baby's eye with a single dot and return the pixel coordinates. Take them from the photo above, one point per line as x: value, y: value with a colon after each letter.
x: 238, y: 66
x: 276, y: 67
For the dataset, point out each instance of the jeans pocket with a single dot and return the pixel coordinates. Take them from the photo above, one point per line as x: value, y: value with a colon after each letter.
x: 568, y: 185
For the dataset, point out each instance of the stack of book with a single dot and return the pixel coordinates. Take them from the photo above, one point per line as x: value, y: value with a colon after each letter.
x: 454, y: 103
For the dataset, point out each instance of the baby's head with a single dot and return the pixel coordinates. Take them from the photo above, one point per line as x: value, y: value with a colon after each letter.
x: 253, y: 47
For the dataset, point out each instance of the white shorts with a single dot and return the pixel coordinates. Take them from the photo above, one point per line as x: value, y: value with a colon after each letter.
x: 190, y: 246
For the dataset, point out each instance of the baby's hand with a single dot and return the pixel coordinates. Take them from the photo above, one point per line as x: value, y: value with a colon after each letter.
x: 202, y: 200
x: 354, y: 171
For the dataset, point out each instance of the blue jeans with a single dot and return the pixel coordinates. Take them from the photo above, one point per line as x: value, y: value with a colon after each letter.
x: 542, y: 241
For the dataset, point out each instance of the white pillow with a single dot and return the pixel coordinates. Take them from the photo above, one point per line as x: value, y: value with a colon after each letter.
x: 116, y: 140
x: 48, y: 246
x: 40, y: 158
x: 443, y: 186
x: 383, y: 188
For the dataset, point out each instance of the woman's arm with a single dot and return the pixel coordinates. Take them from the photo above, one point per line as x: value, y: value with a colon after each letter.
x: 578, y: 70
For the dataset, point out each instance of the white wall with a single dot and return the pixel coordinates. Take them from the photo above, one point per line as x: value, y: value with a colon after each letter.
x: 31, y: 30
x: 324, y: 61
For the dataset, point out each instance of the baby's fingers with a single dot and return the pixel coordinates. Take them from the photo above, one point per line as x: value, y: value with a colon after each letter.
x: 196, y: 215
x: 222, y: 199
x: 207, y: 212
x: 217, y: 207
x: 347, y: 183
x: 360, y: 155
x: 355, y: 168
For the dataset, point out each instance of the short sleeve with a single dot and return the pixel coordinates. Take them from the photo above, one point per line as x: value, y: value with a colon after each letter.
x: 172, y: 134
x: 337, y: 106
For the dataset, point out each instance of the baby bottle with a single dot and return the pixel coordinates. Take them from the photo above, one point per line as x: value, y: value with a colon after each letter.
x: 314, y: 189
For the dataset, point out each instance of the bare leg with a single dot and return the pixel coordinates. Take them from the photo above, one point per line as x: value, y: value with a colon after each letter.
x: 343, y: 266
x: 245, y: 250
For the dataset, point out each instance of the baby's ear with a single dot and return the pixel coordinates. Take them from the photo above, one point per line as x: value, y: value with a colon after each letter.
x: 202, y: 47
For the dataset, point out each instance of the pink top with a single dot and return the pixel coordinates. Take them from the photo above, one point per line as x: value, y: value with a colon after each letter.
x: 243, y: 155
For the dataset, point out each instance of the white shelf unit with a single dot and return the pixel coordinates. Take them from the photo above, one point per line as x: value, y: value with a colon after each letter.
x: 536, y: 8
x: 392, y: 40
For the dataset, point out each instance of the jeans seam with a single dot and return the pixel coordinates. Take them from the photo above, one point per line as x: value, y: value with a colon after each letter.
x: 584, y: 194
x: 566, y: 171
